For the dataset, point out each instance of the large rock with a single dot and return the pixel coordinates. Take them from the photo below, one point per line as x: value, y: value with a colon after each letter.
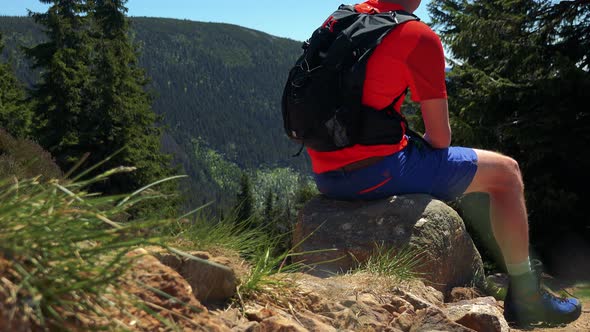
x: 167, y: 294
x: 411, y: 222
x: 480, y: 314
x: 434, y: 320
x: 211, y: 279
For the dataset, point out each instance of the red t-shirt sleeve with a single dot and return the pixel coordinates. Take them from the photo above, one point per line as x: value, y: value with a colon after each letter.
x: 425, y: 72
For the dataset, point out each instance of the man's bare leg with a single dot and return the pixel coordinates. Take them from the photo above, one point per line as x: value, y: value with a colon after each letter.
x: 500, y: 177
x: 525, y: 303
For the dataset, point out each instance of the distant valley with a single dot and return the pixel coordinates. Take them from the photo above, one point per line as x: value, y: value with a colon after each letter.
x: 216, y: 86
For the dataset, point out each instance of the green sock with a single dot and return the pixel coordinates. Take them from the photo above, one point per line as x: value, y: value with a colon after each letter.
x: 519, y: 268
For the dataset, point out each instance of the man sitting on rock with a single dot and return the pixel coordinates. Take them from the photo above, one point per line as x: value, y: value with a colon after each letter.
x: 411, y: 55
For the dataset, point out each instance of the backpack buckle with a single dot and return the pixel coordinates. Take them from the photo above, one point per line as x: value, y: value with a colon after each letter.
x: 394, y: 16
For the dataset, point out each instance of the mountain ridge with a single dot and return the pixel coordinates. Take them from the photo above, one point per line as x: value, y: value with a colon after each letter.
x: 217, y: 83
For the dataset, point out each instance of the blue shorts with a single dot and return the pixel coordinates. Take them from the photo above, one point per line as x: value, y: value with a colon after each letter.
x: 442, y: 173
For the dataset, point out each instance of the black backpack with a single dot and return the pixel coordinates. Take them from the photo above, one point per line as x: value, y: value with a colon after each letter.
x: 321, y: 101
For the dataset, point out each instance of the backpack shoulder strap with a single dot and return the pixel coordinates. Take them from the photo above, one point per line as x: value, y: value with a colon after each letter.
x: 334, y: 24
x: 364, y: 34
x: 390, y: 20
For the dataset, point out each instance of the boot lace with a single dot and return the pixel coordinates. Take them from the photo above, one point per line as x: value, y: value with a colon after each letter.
x: 547, y: 292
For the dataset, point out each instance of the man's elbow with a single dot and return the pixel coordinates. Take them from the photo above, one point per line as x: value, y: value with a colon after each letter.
x: 439, y: 140
x: 441, y: 145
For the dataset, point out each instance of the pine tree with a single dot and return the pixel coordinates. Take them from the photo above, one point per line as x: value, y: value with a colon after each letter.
x: 124, y: 114
x: 15, y: 114
x: 269, y: 209
x: 66, y: 90
x: 244, y: 199
x: 92, y: 97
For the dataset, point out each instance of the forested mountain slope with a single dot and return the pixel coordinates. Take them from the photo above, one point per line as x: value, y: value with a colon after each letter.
x: 220, y: 82
x: 216, y: 83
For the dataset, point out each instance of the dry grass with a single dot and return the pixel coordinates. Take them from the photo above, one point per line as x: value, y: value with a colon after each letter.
x: 61, y: 253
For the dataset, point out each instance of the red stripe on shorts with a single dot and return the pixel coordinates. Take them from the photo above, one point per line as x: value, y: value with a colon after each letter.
x: 375, y: 187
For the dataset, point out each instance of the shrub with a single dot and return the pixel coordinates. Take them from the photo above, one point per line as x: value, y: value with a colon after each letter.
x: 23, y: 158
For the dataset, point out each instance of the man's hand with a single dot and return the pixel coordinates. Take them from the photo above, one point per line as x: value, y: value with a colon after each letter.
x: 435, y: 113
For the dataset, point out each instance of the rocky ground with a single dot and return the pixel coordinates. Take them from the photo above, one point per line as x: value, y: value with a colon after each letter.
x: 175, y: 289
x: 369, y: 303
x: 353, y: 302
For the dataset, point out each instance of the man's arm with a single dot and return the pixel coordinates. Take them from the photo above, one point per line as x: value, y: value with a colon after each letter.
x: 435, y: 113
x: 426, y: 77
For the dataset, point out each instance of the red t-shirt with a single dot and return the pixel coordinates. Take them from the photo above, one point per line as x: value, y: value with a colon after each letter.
x: 410, y: 56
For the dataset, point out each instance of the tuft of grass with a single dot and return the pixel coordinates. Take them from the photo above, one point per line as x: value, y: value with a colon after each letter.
x: 252, y: 242
x: 269, y: 262
x: 262, y: 248
x: 401, y: 264
x: 205, y: 234
x: 266, y: 264
x: 61, y: 252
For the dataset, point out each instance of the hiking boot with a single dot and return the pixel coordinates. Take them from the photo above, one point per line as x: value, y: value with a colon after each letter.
x: 527, y: 303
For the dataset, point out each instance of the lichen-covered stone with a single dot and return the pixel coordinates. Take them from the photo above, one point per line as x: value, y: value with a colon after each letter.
x: 429, y: 228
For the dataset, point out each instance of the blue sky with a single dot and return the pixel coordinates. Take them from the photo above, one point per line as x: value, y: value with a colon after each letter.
x: 283, y: 18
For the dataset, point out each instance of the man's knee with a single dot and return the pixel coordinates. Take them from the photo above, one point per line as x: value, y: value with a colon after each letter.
x: 507, y: 175
x: 512, y: 173
x: 497, y: 173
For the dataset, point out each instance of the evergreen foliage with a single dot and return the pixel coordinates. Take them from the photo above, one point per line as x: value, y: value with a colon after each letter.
x: 15, y: 113
x: 91, y: 96
x: 218, y: 84
x: 269, y: 212
x: 245, y: 200
x: 519, y: 85
x: 217, y: 178
x: 124, y: 115
x: 222, y: 83
x: 66, y: 89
